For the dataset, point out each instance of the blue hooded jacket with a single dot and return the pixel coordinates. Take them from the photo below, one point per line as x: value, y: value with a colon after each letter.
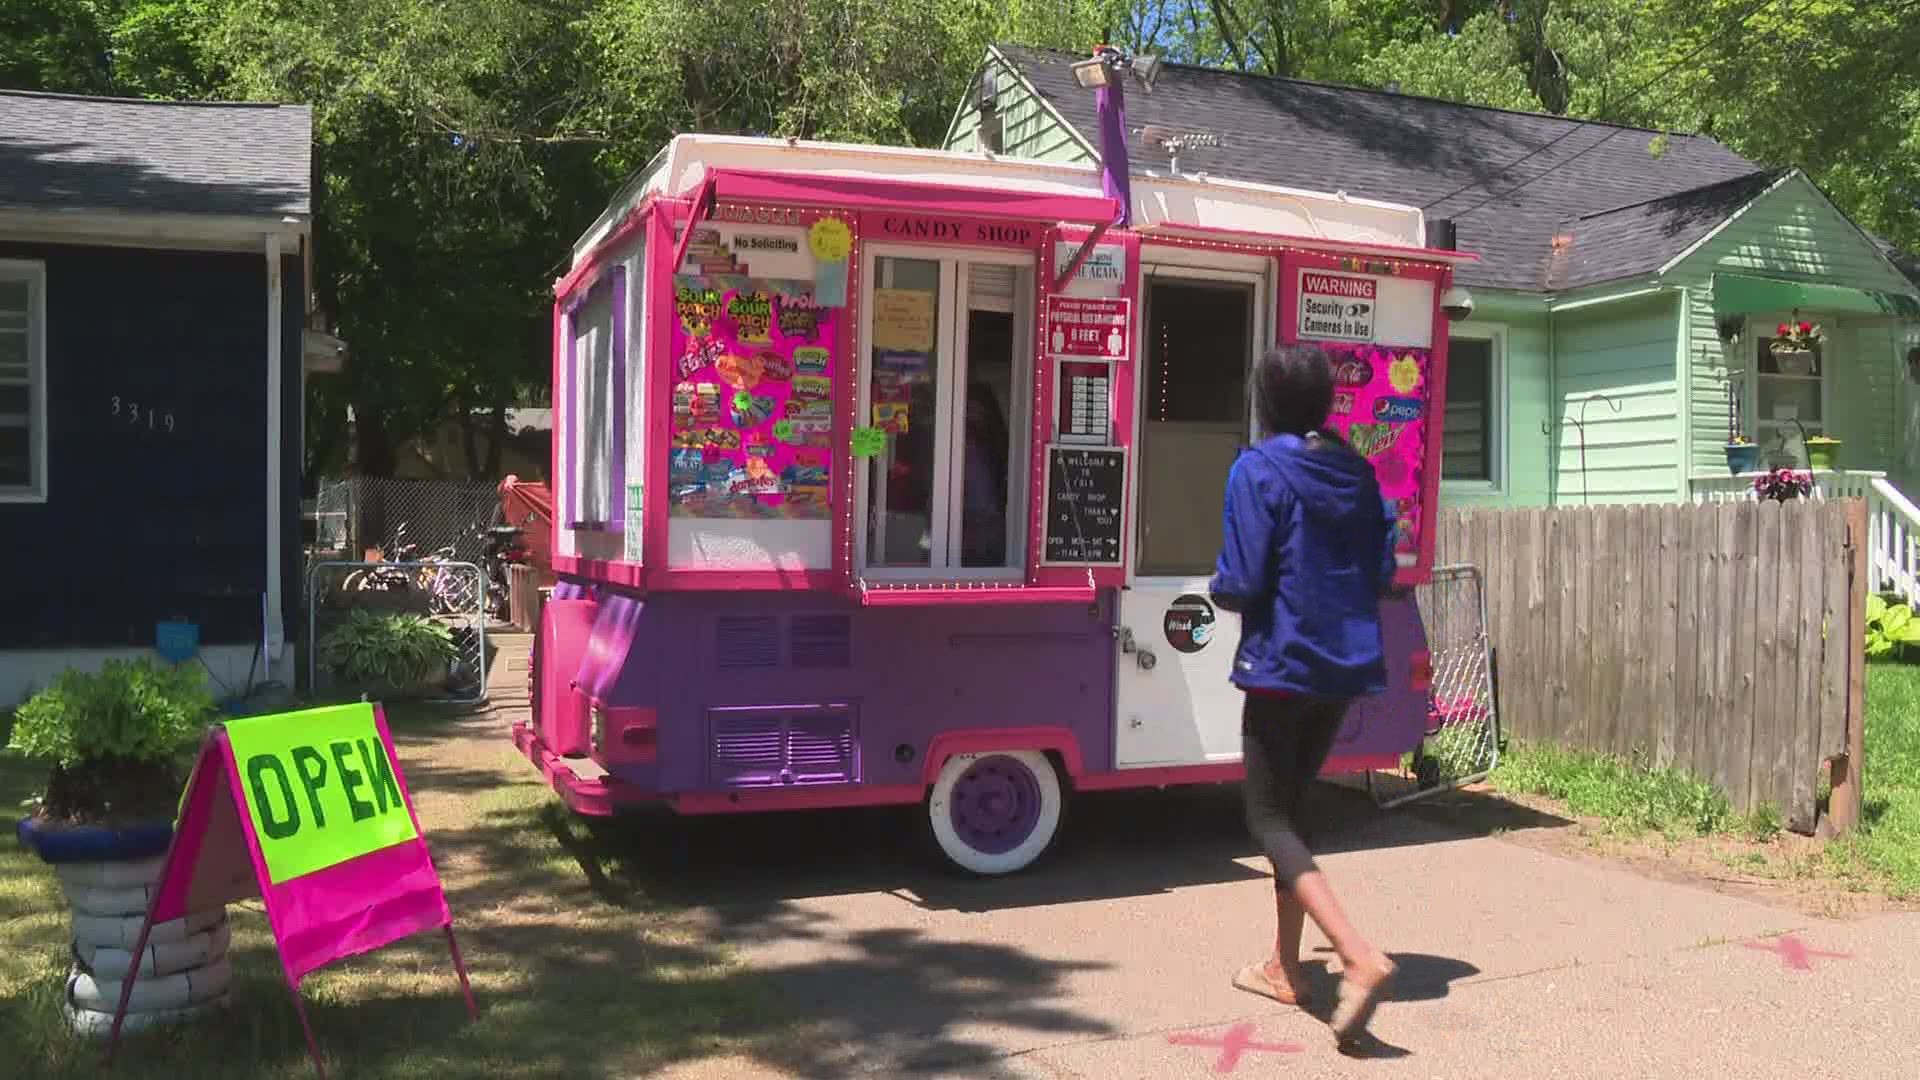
x: 1307, y: 552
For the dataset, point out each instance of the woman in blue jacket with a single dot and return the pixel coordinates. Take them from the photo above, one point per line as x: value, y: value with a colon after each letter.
x: 1307, y: 553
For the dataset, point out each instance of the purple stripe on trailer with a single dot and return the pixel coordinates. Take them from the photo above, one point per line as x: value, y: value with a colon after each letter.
x: 793, y: 689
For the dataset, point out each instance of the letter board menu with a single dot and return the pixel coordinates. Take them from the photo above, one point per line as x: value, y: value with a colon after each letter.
x: 1086, y: 488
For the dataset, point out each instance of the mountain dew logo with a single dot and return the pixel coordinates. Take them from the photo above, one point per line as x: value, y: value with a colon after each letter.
x: 1372, y: 440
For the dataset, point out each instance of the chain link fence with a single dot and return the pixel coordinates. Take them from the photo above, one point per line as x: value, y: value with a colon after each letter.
x: 1462, y: 743
x: 398, y: 630
x: 444, y: 517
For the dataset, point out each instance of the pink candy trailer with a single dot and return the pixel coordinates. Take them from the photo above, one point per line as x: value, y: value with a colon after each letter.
x: 890, y: 476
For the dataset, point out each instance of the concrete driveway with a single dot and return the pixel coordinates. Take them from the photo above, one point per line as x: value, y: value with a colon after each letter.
x: 1112, y: 958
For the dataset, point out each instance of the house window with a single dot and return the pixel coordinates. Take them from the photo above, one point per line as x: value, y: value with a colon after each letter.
x: 1789, y: 402
x: 1470, y: 446
x: 948, y: 340
x: 23, y: 382
x: 593, y: 444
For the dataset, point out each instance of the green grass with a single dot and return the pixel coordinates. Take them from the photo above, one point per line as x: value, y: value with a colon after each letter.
x: 1886, y: 851
x: 1632, y: 798
x: 578, y: 971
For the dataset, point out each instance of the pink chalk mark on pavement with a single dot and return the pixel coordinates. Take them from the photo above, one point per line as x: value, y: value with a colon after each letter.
x: 1794, y: 953
x: 1236, y: 1042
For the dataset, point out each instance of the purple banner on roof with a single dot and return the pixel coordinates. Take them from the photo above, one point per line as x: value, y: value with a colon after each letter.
x: 1111, y: 103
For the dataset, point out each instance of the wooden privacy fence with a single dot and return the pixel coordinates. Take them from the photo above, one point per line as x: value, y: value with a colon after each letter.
x: 1726, y: 639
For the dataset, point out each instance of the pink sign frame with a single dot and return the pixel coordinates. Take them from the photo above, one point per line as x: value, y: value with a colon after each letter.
x: 342, y: 910
x: 1415, y: 472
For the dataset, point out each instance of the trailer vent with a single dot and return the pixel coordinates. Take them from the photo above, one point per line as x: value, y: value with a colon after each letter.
x: 822, y: 641
x: 746, y: 642
x: 779, y: 747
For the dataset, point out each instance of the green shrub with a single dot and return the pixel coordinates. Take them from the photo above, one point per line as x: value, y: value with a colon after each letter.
x: 132, y: 710
x: 1891, y: 627
x: 115, y: 739
x: 389, y: 649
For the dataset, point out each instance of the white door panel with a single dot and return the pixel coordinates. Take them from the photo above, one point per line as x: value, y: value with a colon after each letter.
x: 1175, y: 703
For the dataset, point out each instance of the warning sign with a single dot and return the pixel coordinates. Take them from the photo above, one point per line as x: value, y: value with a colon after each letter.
x: 1337, y: 307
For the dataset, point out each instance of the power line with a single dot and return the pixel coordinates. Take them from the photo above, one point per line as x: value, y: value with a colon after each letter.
x: 1575, y: 125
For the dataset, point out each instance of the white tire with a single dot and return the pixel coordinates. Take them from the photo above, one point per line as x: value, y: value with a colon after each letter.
x: 995, y: 813
x: 123, y: 931
x: 97, y: 1023
x: 103, y: 900
x: 107, y: 962
x: 161, y: 992
x: 113, y: 873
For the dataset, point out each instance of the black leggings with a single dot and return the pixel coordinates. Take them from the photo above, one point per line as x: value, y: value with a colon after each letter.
x: 1284, y: 742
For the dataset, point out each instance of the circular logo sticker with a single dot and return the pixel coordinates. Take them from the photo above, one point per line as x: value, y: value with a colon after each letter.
x: 1189, y: 623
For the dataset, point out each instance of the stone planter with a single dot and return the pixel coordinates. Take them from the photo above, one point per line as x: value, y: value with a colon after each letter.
x: 1793, y: 361
x: 109, y: 876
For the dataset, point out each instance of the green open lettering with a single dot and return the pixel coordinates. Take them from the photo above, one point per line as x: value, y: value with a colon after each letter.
x: 374, y: 757
x: 275, y: 828
x: 350, y: 779
x: 313, y: 774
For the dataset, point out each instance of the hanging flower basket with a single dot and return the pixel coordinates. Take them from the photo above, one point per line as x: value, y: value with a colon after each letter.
x: 1793, y: 346
x: 1743, y: 456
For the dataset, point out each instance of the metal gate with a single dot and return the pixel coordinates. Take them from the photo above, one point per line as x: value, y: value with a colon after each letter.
x: 1462, y: 743
x: 357, y: 609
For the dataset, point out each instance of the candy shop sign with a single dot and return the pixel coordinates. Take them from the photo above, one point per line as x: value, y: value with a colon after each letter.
x: 1337, y: 307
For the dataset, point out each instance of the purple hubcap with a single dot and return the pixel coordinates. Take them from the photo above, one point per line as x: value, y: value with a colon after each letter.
x: 996, y: 805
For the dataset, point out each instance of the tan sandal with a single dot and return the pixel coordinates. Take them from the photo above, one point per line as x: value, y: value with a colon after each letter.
x: 1356, y: 1002
x: 1253, y: 979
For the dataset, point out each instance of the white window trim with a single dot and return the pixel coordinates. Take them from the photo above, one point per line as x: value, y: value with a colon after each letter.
x: 34, y: 273
x: 946, y: 441
x: 1751, y: 347
x: 1497, y: 409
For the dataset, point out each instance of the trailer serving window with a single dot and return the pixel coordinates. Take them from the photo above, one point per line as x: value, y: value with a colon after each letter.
x: 947, y: 343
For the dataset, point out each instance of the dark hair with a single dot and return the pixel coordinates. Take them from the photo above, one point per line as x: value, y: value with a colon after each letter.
x: 1293, y: 389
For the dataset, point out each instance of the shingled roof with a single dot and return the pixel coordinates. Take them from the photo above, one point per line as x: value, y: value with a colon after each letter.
x: 1454, y: 160
x: 83, y: 153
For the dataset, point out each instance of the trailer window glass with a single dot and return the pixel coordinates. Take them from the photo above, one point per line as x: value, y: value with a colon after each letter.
x: 946, y: 372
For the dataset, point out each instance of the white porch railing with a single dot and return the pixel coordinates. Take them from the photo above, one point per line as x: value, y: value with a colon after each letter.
x: 1893, y: 521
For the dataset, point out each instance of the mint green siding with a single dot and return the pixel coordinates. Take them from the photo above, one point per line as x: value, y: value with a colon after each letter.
x: 1523, y: 392
x: 1617, y: 354
x: 1793, y: 232
x: 1028, y: 128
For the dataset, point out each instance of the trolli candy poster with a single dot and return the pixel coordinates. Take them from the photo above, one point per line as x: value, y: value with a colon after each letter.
x: 1380, y: 398
x: 752, y: 399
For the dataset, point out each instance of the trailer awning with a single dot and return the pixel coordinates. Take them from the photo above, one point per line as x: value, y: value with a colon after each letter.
x: 917, y: 196
x: 1745, y: 294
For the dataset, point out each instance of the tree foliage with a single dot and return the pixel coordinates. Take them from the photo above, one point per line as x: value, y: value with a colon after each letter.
x: 463, y: 144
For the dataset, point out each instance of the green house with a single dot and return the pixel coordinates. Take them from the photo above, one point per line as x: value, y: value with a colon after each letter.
x: 1630, y: 285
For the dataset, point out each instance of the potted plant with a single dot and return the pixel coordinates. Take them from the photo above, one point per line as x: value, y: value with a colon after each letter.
x: 1743, y: 454
x: 1823, y: 452
x: 1782, y: 485
x: 389, y: 654
x: 1793, y: 345
x: 118, y: 742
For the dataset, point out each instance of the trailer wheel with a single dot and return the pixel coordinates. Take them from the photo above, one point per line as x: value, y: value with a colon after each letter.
x: 995, y: 813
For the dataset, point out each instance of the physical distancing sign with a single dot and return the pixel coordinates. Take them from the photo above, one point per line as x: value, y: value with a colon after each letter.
x: 308, y: 811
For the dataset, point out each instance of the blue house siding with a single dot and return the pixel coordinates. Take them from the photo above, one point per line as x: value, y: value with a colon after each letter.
x: 143, y: 523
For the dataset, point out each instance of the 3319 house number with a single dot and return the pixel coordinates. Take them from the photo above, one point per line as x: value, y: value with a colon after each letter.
x: 138, y: 415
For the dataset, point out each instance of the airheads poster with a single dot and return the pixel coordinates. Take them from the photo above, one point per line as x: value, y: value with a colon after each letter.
x: 752, y: 399
x: 1380, y: 401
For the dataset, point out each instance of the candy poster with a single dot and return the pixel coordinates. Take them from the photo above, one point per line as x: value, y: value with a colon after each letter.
x: 1380, y: 399
x: 752, y: 400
